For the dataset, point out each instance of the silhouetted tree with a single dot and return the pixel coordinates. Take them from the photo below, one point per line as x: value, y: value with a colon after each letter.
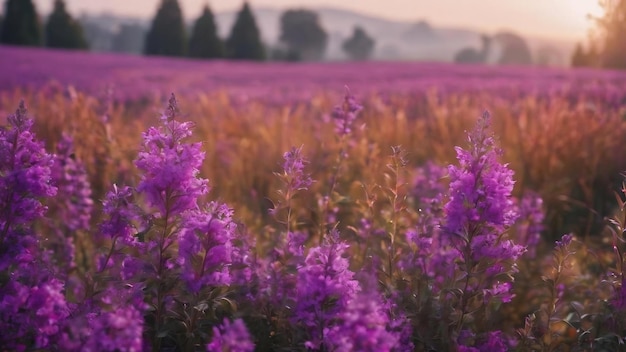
x: 472, y: 55
x: 303, y: 35
x: 21, y: 24
x: 360, y: 46
x: 244, y: 42
x: 204, y: 42
x: 514, y: 50
x: 167, y: 34
x: 612, y: 30
x: 62, y: 31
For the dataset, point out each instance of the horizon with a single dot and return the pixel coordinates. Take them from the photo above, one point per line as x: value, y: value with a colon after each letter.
x: 534, y: 18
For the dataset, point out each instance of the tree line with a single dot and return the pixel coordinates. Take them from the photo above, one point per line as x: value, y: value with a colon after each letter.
x: 302, y: 35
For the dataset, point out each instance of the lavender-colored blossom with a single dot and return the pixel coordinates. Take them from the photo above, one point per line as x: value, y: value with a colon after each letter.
x: 361, y: 327
x: 25, y: 174
x: 231, y: 337
x: 113, y: 329
x: 205, y: 247
x: 325, y: 287
x: 170, y: 167
x: 480, y: 187
x: 30, y: 311
x: 280, y: 270
x: 345, y: 115
x: 74, y: 187
x: 32, y: 303
x: 480, y: 209
x: 294, y: 175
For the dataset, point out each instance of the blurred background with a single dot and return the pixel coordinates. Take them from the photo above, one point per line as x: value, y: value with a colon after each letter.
x: 533, y: 32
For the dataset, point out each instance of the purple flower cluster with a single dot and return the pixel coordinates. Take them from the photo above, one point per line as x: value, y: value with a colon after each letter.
x: 205, y: 247
x: 231, y: 337
x: 170, y: 167
x: 361, y: 327
x: 345, y: 115
x: 480, y: 187
x: 294, y: 175
x: 25, y: 175
x: 325, y: 287
x: 74, y: 189
x: 118, y: 329
x: 479, y: 211
x: 32, y: 302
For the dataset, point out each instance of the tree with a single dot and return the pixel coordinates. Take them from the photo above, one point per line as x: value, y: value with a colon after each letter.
x: 474, y: 56
x: 21, y: 24
x: 167, y: 35
x: 62, y: 31
x: 514, y: 49
x: 612, y: 28
x: 303, y: 34
x: 204, y: 42
x: 360, y: 45
x: 244, y: 42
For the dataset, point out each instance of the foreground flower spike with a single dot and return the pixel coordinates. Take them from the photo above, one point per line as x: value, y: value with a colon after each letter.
x: 325, y: 286
x: 170, y: 167
x: 25, y: 174
x: 231, y: 337
x: 32, y: 303
x: 477, y: 215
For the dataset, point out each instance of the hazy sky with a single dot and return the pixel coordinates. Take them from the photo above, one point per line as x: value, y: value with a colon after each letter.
x: 548, y: 18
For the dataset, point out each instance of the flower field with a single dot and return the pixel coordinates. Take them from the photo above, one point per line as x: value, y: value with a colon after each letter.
x: 322, y: 207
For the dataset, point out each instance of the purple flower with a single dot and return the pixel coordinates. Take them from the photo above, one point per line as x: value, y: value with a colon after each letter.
x: 116, y: 329
x: 294, y: 175
x: 361, y: 327
x: 28, y: 311
x: 170, y: 167
x: 479, y: 211
x: 25, y: 174
x: 74, y: 187
x: 345, y: 115
x: 325, y: 286
x: 205, y: 247
x: 231, y: 337
x: 32, y: 301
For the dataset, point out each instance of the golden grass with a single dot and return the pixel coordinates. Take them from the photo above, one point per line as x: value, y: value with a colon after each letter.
x: 571, y: 154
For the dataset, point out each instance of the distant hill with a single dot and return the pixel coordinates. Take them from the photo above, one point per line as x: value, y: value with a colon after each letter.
x: 395, y: 40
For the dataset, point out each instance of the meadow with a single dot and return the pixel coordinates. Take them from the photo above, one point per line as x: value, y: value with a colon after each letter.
x: 179, y: 205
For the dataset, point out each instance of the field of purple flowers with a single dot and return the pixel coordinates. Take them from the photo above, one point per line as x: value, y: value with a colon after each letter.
x: 425, y: 208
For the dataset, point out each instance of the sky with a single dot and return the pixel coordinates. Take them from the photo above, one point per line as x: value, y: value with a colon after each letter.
x: 554, y: 19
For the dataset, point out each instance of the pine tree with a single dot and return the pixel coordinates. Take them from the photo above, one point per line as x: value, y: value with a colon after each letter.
x: 244, y: 42
x: 62, y: 31
x: 167, y: 34
x: 204, y: 42
x: 21, y: 24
